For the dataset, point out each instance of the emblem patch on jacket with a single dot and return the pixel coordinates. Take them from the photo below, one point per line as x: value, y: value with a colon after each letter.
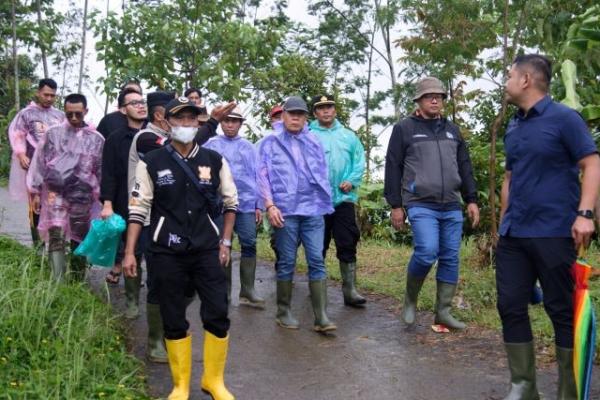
x: 165, y: 177
x: 204, y: 174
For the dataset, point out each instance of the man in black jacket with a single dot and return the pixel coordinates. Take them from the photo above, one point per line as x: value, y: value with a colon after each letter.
x: 177, y: 186
x: 115, y: 120
x: 427, y: 170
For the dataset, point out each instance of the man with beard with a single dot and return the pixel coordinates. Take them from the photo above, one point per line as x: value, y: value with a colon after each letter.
x: 546, y: 216
x: 64, y: 179
x: 25, y: 131
x: 178, y: 187
x: 114, y: 190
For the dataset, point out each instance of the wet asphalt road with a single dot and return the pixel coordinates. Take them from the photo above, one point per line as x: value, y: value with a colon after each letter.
x: 371, y: 355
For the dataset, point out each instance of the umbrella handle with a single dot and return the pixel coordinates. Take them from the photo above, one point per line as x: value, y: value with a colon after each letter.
x: 581, y: 251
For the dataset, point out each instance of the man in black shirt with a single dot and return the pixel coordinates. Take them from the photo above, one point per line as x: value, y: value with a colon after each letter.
x: 115, y: 120
x: 114, y: 189
x: 177, y: 187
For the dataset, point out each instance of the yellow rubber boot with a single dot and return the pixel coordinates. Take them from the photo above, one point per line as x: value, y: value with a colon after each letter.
x: 215, y: 356
x: 180, y: 362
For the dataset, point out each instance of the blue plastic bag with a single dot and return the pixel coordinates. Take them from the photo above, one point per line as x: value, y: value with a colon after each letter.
x: 101, y: 243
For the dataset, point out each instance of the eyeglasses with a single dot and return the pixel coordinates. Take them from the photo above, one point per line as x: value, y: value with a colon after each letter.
x: 135, y: 103
x: 433, y: 96
x: 74, y: 114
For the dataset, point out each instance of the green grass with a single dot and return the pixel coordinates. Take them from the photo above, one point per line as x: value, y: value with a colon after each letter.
x: 58, y: 341
x: 382, y: 270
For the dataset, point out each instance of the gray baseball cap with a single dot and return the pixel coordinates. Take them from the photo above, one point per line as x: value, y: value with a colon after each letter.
x: 295, y: 103
x: 429, y: 85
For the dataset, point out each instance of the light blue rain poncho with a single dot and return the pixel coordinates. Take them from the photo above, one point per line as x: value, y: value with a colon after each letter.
x: 345, y: 157
x: 292, y: 173
x: 241, y: 156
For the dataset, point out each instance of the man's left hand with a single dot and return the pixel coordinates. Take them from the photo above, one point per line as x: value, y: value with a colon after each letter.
x: 224, y: 254
x: 581, y: 231
x: 221, y: 111
x: 345, y: 186
x: 258, y: 216
x: 473, y: 213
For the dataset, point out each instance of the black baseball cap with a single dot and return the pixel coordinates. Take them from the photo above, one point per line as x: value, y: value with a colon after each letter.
x: 181, y: 103
x: 159, y: 98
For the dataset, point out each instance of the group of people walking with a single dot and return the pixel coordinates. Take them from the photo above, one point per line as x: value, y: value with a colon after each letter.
x: 184, y: 190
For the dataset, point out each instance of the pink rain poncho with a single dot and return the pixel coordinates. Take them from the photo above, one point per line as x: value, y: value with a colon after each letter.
x: 65, y: 172
x: 25, y: 131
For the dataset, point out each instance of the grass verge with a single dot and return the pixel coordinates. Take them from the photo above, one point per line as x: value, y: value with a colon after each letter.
x: 58, y: 341
x: 382, y: 270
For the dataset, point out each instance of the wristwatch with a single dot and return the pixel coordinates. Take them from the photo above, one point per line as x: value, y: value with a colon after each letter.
x: 589, y: 214
x: 225, y: 242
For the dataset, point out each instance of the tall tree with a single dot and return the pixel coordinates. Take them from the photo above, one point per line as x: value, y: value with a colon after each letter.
x: 42, y: 46
x: 14, y: 53
x: 82, y: 60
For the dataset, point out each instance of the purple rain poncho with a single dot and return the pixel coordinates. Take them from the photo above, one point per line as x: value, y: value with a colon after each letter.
x: 292, y: 173
x: 65, y: 172
x: 241, y: 156
x: 25, y: 131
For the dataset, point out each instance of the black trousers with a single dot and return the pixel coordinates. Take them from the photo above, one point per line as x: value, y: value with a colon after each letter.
x: 173, y: 273
x: 519, y: 262
x: 341, y: 225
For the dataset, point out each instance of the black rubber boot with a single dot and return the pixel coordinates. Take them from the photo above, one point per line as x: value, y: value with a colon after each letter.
x: 248, y: 294
x: 132, y: 294
x: 58, y: 264
x: 77, y: 265
x: 318, y: 297
x: 156, y: 350
x: 567, y: 390
x: 521, y: 362
x: 413, y: 287
x: 228, y: 278
x: 351, y: 296
x: 445, y: 294
x: 285, y: 319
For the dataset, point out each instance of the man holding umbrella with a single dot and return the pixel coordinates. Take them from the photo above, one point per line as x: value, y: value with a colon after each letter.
x: 546, y: 216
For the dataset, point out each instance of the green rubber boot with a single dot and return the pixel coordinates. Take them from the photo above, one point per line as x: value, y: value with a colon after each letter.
x: 351, y: 297
x: 132, y: 294
x: 521, y: 362
x: 248, y: 294
x: 318, y: 297
x: 156, y: 350
x: 58, y: 264
x: 413, y: 287
x: 445, y: 294
x: 285, y: 319
x: 567, y: 390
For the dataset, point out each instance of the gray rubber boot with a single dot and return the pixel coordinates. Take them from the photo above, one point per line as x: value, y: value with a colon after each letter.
x: 411, y: 295
x: 132, y: 294
x: 567, y: 390
x: 248, y: 294
x: 318, y: 297
x: 445, y: 294
x: 58, y: 264
x: 156, y: 350
x: 285, y: 319
x: 351, y: 296
x: 521, y: 363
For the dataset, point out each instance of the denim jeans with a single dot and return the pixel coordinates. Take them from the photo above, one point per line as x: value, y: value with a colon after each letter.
x: 245, y: 228
x: 436, y: 236
x: 310, y: 232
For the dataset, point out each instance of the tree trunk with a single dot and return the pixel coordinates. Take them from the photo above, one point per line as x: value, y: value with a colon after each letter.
x: 15, y: 55
x: 41, y: 42
x: 82, y: 61
x: 368, y: 148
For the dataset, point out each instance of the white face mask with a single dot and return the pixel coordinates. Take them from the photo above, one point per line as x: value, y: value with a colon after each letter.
x: 183, y: 134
